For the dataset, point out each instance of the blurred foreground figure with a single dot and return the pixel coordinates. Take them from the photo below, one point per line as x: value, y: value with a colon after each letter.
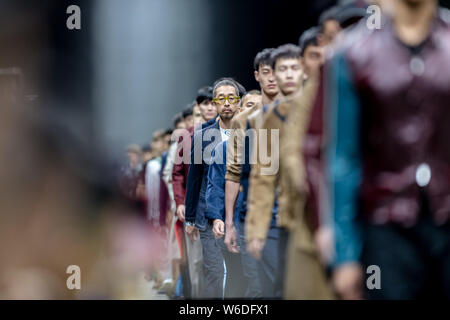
x: 388, y: 156
x: 53, y: 215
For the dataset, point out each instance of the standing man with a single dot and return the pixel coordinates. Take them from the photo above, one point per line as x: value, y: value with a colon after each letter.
x: 192, y: 248
x: 226, y: 98
x: 235, y: 282
x: 305, y: 276
x: 388, y: 157
x: 264, y: 189
x: 207, y: 108
x: 237, y: 175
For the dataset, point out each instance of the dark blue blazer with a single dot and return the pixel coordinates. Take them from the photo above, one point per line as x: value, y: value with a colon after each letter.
x: 208, y: 123
x: 215, y: 191
x: 198, y: 173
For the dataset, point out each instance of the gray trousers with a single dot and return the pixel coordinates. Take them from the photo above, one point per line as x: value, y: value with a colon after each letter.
x: 223, y: 271
x: 195, y: 265
x: 250, y: 267
x: 213, y: 265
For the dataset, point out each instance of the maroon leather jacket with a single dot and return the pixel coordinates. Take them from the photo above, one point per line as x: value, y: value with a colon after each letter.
x: 404, y: 94
x: 181, y: 169
x: 405, y: 99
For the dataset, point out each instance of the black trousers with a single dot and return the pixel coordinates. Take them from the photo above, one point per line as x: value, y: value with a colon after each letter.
x: 414, y: 262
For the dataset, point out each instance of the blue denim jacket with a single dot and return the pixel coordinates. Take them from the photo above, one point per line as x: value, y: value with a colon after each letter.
x: 197, y: 180
x: 215, y: 191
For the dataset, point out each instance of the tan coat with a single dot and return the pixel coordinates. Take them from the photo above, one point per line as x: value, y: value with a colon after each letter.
x: 264, y: 187
x: 234, y: 153
x: 304, y: 275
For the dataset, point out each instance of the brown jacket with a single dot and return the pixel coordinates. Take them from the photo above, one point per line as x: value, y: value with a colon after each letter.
x: 234, y: 153
x: 264, y: 187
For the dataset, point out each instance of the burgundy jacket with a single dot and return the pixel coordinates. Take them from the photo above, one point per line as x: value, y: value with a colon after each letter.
x: 404, y: 97
x: 181, y: 168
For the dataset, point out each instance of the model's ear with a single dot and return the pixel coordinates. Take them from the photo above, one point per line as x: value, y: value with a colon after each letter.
x: 257, y: 76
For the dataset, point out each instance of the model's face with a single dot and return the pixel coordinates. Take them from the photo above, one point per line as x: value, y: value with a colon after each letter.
x: 313, y: 58
x: 157, y: 146
x: 189, y: 121
x: 133, y: 158
x: 288, y: 72
x: 227, y: 102
x: 250, y: 101
x: 208, y: 110
x: 166, y: 142
x: 181, y: 125
x: 330, y: 30
x: 147, y: 156
x: 197, y: 116
x: 267, y: 81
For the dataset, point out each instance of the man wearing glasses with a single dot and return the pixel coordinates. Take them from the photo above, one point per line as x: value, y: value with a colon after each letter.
x: 226, y: 98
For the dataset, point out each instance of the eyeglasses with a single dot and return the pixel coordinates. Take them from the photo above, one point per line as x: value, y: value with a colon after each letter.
x: 230, y: 99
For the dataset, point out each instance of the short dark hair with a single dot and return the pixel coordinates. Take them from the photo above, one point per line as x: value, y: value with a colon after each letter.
x: 188, y: 110
x: 146, y: 148
x: 205, y: 93
x: 229, y: 81
x: 168, y: 132
x: 329, y: 14
x: 262, y: 58
x: 158, y: 134
x: 308, y: 38
x: 284, y: 51
x: 177, y: 119
x: 241, y: 88
x: 250, y: 93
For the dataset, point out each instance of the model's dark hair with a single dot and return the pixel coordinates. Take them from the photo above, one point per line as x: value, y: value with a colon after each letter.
x: 285, y: 51
x: 205, y: 93
x: 188, y: 110
x: 262, y: 58
x: 308, y: 38
x: 177, y: 119
x: 329, y: 14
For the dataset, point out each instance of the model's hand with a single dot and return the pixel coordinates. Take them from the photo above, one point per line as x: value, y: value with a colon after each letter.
x: 348, y: 281
x: 231, y: 239
x: 195, y: 234
x: 255, y: 247
x: 323, y: 239
x: 218, y: 228
x: 181, y: 210
x: 191, y: 231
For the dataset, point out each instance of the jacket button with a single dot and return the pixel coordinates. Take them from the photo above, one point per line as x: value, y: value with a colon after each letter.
x: 417, y: 66
x: 423, y: 175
